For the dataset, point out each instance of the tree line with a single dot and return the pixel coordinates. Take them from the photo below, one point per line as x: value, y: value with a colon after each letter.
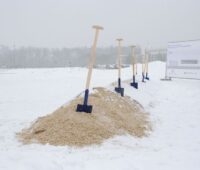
x: 35, y: 57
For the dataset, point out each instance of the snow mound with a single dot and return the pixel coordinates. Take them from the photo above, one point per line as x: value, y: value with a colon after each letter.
x: 112, y: 115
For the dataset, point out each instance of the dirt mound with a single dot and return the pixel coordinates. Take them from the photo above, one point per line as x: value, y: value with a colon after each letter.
x: 112, y: 115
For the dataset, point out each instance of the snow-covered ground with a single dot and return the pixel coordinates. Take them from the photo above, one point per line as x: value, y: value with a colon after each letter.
x: 174, y: 108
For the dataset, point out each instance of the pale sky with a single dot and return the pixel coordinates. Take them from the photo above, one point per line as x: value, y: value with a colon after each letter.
x: 67, y: 23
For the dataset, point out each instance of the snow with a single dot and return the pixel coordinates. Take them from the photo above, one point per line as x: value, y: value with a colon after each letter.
x: 174, y: 108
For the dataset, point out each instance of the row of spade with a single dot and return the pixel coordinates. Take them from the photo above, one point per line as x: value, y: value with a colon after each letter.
x: 88, y: 108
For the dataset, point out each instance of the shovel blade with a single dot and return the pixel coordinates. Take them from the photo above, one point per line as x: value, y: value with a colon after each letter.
x: 84, y: 108
x: 135, y: 85
x: 147, y: 78
x: 120, y: 90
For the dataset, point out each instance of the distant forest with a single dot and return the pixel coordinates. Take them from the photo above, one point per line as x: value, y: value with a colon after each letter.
x: 33, y: 57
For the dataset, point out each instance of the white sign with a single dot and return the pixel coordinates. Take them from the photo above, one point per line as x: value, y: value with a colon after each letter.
x: 183, y: 59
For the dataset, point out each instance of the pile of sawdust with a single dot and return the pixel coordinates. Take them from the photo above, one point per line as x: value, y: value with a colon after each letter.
x: 111, y: 115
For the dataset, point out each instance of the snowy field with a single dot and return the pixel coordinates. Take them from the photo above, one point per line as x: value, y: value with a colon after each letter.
x: 174, y: 108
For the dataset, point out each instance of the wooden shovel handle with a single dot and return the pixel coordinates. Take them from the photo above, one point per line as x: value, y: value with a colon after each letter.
x: 119, y: 56
x: 133, y: 58
x: 92, y: 55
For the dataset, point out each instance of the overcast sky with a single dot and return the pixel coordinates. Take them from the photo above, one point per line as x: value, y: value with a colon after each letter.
x: 67, y: 23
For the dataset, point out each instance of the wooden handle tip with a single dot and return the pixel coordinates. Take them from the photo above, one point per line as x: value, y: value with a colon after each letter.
x: 97, y: 27
x: 119, y: 39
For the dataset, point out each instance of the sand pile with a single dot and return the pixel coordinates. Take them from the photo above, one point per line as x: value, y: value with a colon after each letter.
x: 112, y: 115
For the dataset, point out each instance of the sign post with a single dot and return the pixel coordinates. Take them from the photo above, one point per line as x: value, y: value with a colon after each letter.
x: 119, y: 89
x: 85, y: 107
